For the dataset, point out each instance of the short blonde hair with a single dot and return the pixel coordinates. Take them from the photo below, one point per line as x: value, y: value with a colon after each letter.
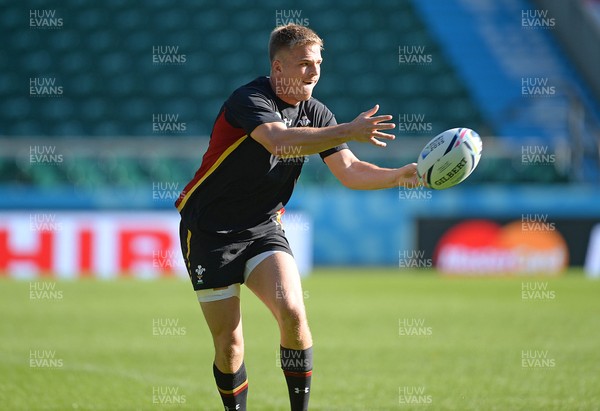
x: 291, y: 35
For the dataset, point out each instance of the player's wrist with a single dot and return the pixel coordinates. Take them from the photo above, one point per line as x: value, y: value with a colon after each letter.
x: 344, y: 133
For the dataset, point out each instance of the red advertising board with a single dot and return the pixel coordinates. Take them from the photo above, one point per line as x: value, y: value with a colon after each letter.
x: 79, y: 244
x: 111, y: 244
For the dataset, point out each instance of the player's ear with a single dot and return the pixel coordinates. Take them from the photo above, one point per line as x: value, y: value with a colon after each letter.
x: 276, y: 66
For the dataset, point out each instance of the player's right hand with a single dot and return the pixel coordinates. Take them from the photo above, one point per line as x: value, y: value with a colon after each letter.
x: 365, y: 128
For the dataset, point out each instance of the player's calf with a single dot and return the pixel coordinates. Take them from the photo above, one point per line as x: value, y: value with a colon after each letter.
x: 223, y: 317
x: 296, y: 353
x: 297, y: 368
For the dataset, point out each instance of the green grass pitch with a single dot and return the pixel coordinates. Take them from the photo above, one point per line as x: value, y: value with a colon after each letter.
x: 384, y: 340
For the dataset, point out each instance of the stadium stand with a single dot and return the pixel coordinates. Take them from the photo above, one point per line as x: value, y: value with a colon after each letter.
x: 104, y: 58
x: 498, y: 52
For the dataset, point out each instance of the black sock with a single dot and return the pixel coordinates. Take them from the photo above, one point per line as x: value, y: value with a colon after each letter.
x: 297, y: 368
x: 233, y: 388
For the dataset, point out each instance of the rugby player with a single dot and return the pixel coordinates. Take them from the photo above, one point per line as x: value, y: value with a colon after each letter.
x: 231, y: 231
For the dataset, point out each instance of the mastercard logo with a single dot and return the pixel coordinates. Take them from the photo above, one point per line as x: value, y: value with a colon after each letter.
x: 482, y: 247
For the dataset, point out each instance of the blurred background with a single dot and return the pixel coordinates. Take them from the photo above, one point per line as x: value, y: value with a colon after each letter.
x: 106, y: 110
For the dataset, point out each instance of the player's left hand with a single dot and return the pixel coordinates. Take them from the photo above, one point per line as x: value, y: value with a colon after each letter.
x: 407, y: 176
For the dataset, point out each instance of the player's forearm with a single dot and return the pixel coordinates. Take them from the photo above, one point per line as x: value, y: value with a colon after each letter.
x: 303, y: 141
x: 361, y: 175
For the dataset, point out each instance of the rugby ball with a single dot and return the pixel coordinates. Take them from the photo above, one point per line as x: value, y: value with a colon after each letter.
x: 449, y: 158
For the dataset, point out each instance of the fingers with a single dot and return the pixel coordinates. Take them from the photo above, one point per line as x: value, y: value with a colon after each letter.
x: 368, y: 127
x: 413, y: 183
x: 411, y: 168
x: 410, y: 182
x: 382, y: 125
x: 377, y: 143
x: 371, y: 111
x: 374, y: 138
x: 379, y: 119
x: 385, y: 136
x: 376, y: 134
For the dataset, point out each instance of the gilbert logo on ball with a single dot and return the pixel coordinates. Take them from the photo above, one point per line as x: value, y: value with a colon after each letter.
x: 449, y: 158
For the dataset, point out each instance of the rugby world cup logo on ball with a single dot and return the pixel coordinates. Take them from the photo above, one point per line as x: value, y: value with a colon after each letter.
x: 449, y: 158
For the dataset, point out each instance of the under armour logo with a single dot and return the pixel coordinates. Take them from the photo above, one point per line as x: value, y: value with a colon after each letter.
x: 199, y: 271
x: 305, y: 390
x: 287, y: 122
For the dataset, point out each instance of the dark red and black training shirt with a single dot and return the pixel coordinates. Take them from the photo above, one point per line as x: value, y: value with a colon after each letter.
x: 240, y: 187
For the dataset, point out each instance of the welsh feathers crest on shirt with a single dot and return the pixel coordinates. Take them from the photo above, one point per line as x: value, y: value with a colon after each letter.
x: 199, y: 273
x: 304, y: 122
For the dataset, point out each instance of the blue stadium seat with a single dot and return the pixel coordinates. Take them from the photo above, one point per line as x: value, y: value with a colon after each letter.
x: 103, y: 57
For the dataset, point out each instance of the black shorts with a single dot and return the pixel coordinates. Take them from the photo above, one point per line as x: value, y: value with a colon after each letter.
x: 215, y: 260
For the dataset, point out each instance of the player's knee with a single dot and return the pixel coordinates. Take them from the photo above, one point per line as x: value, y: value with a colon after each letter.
x: 294, y: 328
x: 292, y: 317
x: 229, y: 346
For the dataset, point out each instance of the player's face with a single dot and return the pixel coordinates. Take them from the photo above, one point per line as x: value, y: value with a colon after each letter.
x: 297, y: 73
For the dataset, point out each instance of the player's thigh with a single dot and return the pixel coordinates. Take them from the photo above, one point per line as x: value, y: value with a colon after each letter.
x: 224, y: 319
x: 276, y: 282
